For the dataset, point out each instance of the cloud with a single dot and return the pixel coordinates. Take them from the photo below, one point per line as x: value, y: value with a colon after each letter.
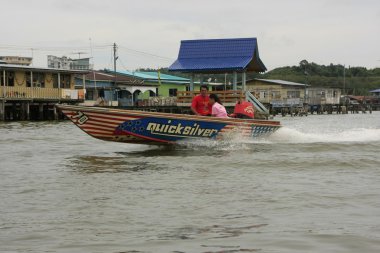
x: 287, y: 31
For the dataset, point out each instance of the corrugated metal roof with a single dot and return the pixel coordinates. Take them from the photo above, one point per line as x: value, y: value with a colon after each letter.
x: 282, y: 82
x: 375, y: 91
x: 153, y: 76
x: 216, y: 55
x: 110, y: 76
x: 21, y: 67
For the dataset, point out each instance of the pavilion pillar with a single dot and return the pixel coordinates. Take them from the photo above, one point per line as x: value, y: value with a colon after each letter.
x: 234, y: 83
x: 244, y: 80
x: 191, y: 88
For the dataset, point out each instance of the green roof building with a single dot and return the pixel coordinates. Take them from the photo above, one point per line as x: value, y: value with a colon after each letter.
x: 168, y: 85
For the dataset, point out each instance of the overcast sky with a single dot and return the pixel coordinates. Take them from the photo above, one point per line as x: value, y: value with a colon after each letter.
x: 325, y: 31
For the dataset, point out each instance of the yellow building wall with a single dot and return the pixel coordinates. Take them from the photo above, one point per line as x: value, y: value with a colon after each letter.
x: 20, y: 79
x: 49, y: 80
x: 21, y: 76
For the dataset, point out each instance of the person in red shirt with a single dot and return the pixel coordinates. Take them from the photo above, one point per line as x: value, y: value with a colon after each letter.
x: 200, y: 104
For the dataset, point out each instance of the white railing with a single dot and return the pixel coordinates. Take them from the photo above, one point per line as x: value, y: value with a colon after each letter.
x: 258, y: 105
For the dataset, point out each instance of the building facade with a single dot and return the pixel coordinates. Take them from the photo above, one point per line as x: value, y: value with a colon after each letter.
x: 316, y: 96
x: 168, y: 85
x: 106, y: 88
x: 278, y: 93
x: 68, y: 63
x: 24, y: 89
x: 16, y: 60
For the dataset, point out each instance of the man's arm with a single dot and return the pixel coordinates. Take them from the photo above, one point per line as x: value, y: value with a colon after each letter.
x: 194, y: 111
x: 193, y: 106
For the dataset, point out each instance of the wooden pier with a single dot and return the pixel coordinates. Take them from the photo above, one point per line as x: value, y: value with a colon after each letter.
x: 34, y: 103
x: 29, y: 110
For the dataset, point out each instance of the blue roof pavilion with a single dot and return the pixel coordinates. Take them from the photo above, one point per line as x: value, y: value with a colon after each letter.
x: 219, y: 56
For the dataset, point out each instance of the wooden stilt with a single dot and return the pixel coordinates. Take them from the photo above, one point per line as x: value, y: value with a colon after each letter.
x: 55, y: 113
x: 14, y: 112
x: 22, y: 114
x: 22, y: 111
x: 2, y: 110
x: 41, y: 111
x: 27, y: 110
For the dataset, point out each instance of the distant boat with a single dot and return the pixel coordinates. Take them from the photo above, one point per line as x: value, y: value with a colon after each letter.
x: 155, y: 128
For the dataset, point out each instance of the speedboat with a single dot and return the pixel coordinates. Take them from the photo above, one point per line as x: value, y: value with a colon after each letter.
x: 154, y: 128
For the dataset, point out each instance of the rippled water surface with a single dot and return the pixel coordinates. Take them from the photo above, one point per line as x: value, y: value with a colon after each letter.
x: 314, y: 186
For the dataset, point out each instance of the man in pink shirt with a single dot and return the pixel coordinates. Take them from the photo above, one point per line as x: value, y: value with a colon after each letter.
x: 217, y: 110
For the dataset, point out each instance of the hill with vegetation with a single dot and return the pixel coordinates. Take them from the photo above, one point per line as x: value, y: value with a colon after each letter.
x: 358, y: 80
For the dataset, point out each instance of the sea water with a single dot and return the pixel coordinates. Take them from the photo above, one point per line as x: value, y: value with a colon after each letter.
x: 313, y: 186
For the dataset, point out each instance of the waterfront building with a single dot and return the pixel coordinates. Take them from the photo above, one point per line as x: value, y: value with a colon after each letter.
x: 277, y: 93
x: 168, y: 85
x: 31, y: 92
x: 375, y: 93
x: 106, y: 88
x: 375, y: 99
x: 316, y: 96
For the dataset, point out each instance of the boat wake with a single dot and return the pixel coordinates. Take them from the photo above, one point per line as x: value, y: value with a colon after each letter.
x: 289, y: 135
x: 283, y: 136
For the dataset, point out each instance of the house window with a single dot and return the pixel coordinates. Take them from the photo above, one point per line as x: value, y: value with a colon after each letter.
x: 39, y: 80
x: 293, y: 94
x: 11, y: 78
x: 65, y: 81
x: 172, y: 92
x: 90, y: 95
x: 27, y: 77
x: 276, y: 94
x: 263, y: 94
x: 55, y: 80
